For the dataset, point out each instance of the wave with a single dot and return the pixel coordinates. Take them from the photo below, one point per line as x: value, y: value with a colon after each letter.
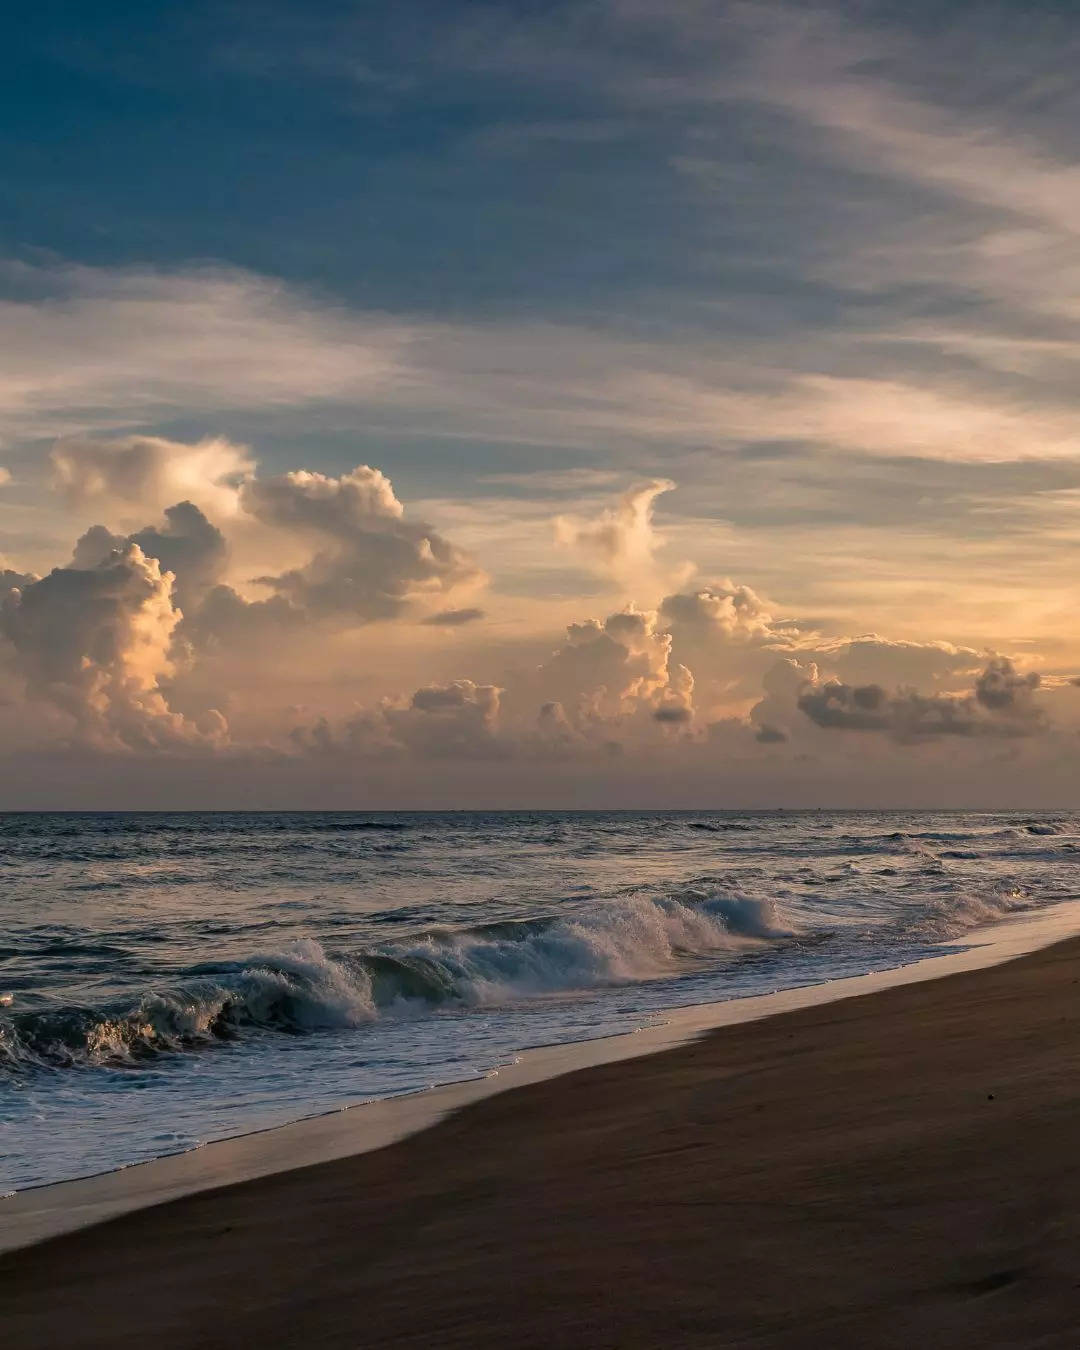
x: 721, y: 826
x: 616, y: 942
x: 305, y: 989
x: 953, y: 916
x: 343, y: 826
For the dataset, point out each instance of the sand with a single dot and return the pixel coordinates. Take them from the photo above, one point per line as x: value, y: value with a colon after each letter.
x: 893, y: 1170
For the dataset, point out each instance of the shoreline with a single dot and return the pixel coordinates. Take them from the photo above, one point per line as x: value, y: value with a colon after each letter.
x: 871, y: 1172
x: 38, y: 1214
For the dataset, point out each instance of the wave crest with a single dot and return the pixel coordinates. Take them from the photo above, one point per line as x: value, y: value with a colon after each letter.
x: 305, y: 989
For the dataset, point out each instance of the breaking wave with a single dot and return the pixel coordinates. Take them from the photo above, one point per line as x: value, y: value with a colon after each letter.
x: 305, y: 989
x: 613, y: 943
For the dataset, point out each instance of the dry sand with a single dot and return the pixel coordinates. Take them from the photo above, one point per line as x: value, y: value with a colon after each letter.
x: 894, y: 1170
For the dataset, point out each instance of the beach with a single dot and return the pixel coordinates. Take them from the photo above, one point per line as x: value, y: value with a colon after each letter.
x: 884, y: 1170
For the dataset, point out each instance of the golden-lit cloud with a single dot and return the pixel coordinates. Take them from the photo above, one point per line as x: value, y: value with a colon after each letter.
x: 758, y: 470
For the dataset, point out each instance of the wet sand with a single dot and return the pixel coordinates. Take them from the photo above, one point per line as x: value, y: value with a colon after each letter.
x: 892, y: 1170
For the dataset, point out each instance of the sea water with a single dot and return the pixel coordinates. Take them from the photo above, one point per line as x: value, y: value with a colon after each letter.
x: 168, y: 979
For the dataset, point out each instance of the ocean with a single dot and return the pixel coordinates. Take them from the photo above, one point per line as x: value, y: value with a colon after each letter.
x: 169, y: 979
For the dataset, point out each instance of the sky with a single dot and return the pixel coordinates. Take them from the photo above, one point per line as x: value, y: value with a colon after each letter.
x: 605, y: 404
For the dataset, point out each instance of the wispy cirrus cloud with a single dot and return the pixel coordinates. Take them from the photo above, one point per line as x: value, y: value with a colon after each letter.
x: 105, y: 349
x: 85, y: 347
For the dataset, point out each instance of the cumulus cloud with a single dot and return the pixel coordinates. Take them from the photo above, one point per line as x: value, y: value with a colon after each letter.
x: 224, y: 619
x: 1000, y: 705
x: 781, y: 684
x: 616, y: 683
x: 454, y: 721
x: 191, y: 549
x: 10, y: 580
x: 368, y: 562
x: 676, y: 704
x: 1002, y: 689
x: 729, y: 636
x: 726, y: 634
x: 96, y: 643
x: 621, y: 540
x: 153, y: 629
x: 610, y: 679
x: 607, y: 669
x: 860, y: 708
x: 554, y: 730
x: 150, y: 473
x: 610, y: 683
x: 872, y: 659
x: 721, y: 608
x: 459, y: 720
x: 320, y: 504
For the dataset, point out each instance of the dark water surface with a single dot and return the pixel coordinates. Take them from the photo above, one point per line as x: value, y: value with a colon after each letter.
x: 166, y: 979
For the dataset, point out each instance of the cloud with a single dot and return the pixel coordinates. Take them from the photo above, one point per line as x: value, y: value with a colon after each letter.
x: 621, y: 538
x: 319, y: 505
x: 150, y: 473
x: 711, y: 665
x: 1001, y: 705
x: 719, y: 609
x: 611, y: 679
x: 187, y: 546
x: 364, y: 560
x: 225, y: 621
x: 606, y: 669
x: 872, y: 659
x: 615, y: 677
x: 622, y: 533
x: 1003, y: 690
x: 614, y: 684
x: 196, y: 343
x: 728, y: 636
x: 676, y: 704
x: 840, y: 706
x: 97, y: 347
x: 453, y: 618
x: 10, y: 580
x: 355, y: 556
x: 673, y: 714
x: 96, y: 643
x: 369, y: 562
x: 781, y: 685
x: 554, y: 730
x: 828, y: 75
x: 456, y: 721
